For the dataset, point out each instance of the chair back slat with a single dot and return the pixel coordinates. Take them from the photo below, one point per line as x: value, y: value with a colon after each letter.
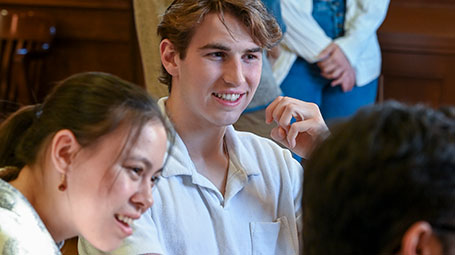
x: 7, y: 54
x: 25, y: 40
x: 23, y: 26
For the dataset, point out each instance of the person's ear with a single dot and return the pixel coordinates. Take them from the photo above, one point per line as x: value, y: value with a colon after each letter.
x: 64, y: 147
x: 419, y: 239
x: 169, y: 57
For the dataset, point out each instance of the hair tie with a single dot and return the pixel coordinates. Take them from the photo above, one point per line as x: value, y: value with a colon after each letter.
x: 38, y: 110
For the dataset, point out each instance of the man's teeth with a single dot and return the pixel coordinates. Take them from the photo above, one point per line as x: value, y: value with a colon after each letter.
x: 228, y: 97
x: 125, y: 219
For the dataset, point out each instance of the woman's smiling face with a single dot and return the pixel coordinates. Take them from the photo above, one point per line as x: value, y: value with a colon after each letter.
x: 110, y: 183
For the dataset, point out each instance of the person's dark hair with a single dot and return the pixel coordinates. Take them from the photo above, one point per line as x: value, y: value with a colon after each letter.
x: 386, y: 168
x: 88, y: 104
x: 182, y: 17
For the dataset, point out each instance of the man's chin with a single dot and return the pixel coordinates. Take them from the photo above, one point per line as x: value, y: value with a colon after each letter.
x: 229, y: 120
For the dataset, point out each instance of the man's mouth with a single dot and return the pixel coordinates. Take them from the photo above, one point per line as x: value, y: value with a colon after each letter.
x: 228, y: 97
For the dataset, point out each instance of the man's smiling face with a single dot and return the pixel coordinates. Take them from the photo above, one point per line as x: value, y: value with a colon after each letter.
x: 220, y: 72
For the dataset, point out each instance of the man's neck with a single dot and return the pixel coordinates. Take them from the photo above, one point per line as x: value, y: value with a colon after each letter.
x: 199, y: 136
x: 204, y: 142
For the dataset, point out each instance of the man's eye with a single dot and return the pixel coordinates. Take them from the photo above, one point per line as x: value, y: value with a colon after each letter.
x: 251, y: 56
x: 216, y: 54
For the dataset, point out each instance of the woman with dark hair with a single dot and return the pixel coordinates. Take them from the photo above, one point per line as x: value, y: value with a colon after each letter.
x: 82, y: 163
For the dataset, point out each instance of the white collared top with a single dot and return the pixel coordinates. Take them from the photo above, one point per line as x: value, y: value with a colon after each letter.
x: 259, y: 214
x: 306, y: 39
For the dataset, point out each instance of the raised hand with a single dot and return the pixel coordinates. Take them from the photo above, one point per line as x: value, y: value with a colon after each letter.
x: 303, y: 135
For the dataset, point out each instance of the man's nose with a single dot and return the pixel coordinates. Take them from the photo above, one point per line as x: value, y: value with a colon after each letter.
x: 233, y: 72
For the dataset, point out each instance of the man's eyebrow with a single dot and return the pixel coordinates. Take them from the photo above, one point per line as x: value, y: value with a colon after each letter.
x: 253, y: 50
x: 215, y: 46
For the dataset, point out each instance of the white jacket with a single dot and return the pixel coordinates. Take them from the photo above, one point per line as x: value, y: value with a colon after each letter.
x: 305, y: 38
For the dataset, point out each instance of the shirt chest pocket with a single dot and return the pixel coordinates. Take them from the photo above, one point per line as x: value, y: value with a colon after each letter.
x: 272, y: 238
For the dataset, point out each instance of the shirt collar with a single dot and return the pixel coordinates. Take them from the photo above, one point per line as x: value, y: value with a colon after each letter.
x: 180, y: 161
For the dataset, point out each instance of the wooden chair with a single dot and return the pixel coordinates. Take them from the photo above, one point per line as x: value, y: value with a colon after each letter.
x: 25, y: 40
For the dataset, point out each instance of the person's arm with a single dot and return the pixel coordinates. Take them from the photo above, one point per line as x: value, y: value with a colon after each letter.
x: 303, y: 34
x: 302, y: 136
x: 365, y: 18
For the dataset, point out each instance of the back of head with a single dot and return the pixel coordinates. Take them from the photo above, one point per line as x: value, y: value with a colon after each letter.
x: 182, y: 17
x: 386, y: 168
x: 88, y: 104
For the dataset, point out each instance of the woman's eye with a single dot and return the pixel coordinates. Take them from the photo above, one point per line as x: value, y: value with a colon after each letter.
x: 136, y: 170
x: 155, y: 179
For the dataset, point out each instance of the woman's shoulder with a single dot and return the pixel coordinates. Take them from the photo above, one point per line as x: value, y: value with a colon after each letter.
x: 21, y: 232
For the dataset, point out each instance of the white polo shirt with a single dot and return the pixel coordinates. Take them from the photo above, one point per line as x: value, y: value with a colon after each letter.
x: 259, y: 214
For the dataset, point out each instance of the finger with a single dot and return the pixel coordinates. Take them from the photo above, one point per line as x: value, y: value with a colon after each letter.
x: 326, y: 52
x: 337, y: 81
x: 298, y: 128
x: 291, y: 107
x: 333, y: 75
x: 285, y: 118
x: 271, y: 108
x: 328, y: 68
x: 278, y: 112
x: 349, y: 82
x: 279, y: 134
x: 341, y: 79
x: 346, y: 86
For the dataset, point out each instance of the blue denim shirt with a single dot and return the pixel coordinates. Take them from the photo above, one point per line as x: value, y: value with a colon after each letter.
x: 329, y: 14
x: 273, y: 6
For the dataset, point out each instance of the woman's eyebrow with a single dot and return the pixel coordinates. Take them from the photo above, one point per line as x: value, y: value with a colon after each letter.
x: 144, y: 160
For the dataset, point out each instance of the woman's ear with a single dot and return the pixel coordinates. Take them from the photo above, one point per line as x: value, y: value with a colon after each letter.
x: 169, y: 57
x: 419, y: 239
x: 64, y: 147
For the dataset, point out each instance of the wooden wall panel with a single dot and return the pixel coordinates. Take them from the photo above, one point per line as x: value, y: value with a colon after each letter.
x: 417, y: 41
x: 418, y: 46
x: 92, y: 35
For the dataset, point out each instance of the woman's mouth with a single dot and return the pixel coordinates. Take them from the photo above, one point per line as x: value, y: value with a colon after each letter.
x: 125, y: 223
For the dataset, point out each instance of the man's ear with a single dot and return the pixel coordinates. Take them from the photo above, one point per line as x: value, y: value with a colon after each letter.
x: 169, y: 57
x: 419, y: 239
x: 64, y: 147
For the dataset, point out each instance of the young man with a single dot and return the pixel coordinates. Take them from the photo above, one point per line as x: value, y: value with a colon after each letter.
x: 383, y: 183
x: 223, y: 191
